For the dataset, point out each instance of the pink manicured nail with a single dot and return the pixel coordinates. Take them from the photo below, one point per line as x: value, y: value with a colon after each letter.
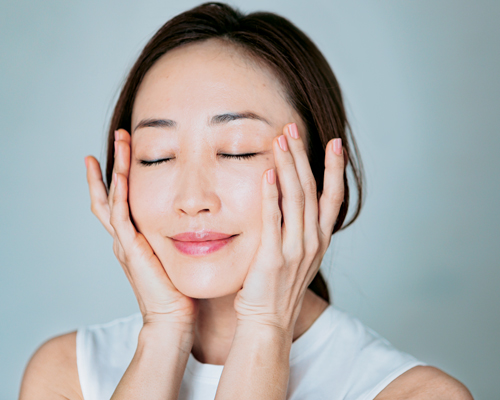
x: 337, y: 146
x: 282, y: 143
x: 271, y: 178
x: 116, y: 135
x: 294, y: 132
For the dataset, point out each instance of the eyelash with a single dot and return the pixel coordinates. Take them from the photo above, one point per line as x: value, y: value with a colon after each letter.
x: 235, y: 156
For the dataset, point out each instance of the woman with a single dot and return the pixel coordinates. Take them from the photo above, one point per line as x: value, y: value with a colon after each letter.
x: 226, y: 180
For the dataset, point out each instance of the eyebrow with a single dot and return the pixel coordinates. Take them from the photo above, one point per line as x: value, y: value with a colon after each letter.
x: 228, y: 117
x: 215, y: 120
x: 155, y: 123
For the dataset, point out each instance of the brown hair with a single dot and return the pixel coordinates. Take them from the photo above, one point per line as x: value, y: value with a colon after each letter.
x: 309, y: 82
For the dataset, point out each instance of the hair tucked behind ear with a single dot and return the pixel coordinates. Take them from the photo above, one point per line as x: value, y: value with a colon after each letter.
x: 309, y: 82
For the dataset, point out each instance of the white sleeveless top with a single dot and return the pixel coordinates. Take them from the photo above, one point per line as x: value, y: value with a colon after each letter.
x: 336, y: 358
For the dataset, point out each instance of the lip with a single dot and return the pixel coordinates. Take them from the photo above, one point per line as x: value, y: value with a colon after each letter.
x: 200, y: 236
x: 201, y: 243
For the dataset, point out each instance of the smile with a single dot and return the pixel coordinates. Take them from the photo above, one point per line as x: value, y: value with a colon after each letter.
x: 201, y: 248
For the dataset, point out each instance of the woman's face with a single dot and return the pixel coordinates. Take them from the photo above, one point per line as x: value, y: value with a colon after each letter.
x: 208, y: 100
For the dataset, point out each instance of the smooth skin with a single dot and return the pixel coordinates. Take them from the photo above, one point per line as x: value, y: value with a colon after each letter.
x: 218, y: 307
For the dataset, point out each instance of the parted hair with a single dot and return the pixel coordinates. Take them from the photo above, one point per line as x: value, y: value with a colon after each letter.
x: 308, y: 80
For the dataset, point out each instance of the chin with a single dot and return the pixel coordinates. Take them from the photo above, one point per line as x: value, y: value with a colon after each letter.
x: 206, y: 292
x: 204, y: 282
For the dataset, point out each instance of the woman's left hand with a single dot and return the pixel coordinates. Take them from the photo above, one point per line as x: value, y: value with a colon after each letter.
x: 289, y: 255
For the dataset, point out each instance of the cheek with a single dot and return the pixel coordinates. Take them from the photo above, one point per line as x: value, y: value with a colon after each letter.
x: 147, y: 200
x: 243, y: 194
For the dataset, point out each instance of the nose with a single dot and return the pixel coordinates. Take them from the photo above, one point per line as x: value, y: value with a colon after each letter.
x: 196, y: 192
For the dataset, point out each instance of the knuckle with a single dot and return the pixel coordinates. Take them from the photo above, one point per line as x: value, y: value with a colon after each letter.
x: 310, y: 186
x: 297, y: 255
x: 275, y: 216
x: 116, y: 248
x: 277, y: 261
x: 313, y: 244
x: 288, y: 162
x: 299, y: 198
x: 114, y: 220
x: 273, y: 195
x: 338, y: 197
x: 115, y: 197
x: 300, y: 147
x: 119, y: 251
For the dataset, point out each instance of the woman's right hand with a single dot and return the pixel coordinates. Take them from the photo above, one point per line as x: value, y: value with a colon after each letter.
x: 159, y: 301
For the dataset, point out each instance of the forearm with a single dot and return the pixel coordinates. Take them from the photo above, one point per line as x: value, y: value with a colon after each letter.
x: 158, y: 365
x: 257, y: 366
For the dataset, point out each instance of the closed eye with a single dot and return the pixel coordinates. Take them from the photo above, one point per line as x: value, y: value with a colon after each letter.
x: 235, y: 156
x: 155, y: 162
x: 239, y: 156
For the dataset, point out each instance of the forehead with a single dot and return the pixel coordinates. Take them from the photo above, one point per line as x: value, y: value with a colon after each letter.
x: 208, y: 78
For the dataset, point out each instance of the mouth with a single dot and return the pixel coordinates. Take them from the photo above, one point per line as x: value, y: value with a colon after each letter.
x: 200, y: 236
x: 203, y: 247
x: 201, y: 243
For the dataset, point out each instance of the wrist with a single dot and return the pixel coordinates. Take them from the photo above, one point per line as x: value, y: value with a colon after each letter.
x: 267, y: 325
x: 264, y: 333
x: 165, y: 334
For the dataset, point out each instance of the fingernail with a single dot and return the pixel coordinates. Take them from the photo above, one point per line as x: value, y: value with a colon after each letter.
x: 282, y: 143
x: 271, y: 178
x: 294, y: 132
x: 337, y: 146
x: 116, y: 135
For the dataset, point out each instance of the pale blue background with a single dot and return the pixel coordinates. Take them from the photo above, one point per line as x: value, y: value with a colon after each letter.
x: 421, y: 81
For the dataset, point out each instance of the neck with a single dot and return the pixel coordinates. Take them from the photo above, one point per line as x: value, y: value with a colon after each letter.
x: 216, y: 325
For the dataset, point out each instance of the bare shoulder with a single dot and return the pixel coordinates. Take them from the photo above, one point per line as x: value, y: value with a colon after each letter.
x: 425, y: 382
x: 52, y: 372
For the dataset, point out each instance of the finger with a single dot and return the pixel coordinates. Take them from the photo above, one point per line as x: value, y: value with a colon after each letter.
x: 118, y: 196
x: 122, y: 159
x: 112, y: 185
x: 292, y: 201
x: 333, y: 186
x: 308, y: 183
x: 120, y: 213
x: 271, y: 215
x: 98, y: 194
x: 122, y: 134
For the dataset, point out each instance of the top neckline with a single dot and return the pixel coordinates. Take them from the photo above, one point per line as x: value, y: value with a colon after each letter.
x: 310, y: 340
